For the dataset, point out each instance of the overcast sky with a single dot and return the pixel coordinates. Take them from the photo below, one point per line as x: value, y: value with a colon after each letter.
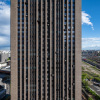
x: 90, y: 24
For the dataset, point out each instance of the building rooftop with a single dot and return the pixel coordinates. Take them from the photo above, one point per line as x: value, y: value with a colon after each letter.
x: 4, y: 51
x: 6, y: 68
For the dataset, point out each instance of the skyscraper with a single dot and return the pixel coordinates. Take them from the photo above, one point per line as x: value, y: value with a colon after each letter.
x: 45, y: 49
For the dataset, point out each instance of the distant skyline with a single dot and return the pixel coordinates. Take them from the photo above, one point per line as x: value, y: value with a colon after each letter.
x: 90, y: 25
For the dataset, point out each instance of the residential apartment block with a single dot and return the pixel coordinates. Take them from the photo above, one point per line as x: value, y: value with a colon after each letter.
x: 45, y: 49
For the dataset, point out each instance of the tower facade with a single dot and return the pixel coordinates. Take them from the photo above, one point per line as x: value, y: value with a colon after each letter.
x: 45, y: 49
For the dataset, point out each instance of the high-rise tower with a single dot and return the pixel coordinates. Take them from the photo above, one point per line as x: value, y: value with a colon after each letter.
x: 45, y: 49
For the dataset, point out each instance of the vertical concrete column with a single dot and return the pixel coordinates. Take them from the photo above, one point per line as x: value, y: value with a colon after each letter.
x: 14, y: 53
x: 50, y: 49
x: 54, y: 49
x: 67, y: 43
x: 29, y: 60
x: 77, y: 49
x: 71, y: 51
x: 25, y: 51
x: 63, y: 62
x: 37, y: 50
x: 41, y: 21
x: 20, y: 49
x: 45, y: 49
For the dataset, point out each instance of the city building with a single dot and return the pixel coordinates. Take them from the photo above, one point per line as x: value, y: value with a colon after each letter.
x: 4, y: 55
x: 90, y: 53
x: 45, y: 49
x: 5, y: 82
x: 3, y: 64
x: 2, y: 92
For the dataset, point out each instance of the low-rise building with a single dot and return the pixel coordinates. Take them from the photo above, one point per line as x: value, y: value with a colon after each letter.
x: 3, y: 64
x: 4, y: 55
x: 5, y: 82
x: 2, y: 92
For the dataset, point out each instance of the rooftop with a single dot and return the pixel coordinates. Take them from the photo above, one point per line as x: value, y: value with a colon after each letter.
x: 6, y: 68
